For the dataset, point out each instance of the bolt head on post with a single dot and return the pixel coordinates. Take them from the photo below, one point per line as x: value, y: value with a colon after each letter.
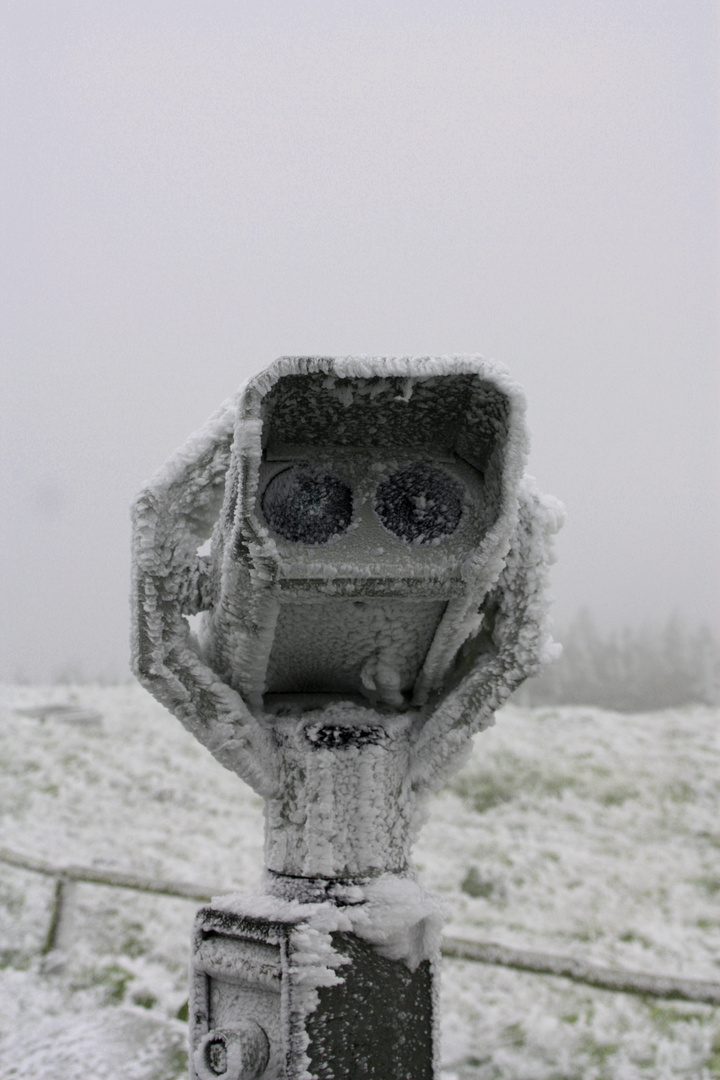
x: 238, y: 1053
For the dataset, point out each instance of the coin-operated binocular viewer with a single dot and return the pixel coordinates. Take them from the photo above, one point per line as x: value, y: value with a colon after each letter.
x: 374, y: 591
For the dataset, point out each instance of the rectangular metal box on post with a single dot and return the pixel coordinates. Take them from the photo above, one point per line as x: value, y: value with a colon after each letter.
x: 378, y: 1022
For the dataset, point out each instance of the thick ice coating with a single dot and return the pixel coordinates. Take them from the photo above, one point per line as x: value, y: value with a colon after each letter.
x: 375, y: 590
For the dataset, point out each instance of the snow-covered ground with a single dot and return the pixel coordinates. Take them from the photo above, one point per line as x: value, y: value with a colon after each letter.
x: 571, y: 830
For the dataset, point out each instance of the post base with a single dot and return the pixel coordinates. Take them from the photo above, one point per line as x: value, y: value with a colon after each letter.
x: 283, y: 990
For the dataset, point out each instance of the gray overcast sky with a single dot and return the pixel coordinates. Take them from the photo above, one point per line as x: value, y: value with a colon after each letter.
x: 191, y: 190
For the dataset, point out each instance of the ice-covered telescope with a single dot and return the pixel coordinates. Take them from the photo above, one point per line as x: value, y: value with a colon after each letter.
x: 370, y: 504
x: 374, y: 590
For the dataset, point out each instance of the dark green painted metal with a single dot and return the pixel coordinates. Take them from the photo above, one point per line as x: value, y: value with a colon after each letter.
x: 377, y: 1024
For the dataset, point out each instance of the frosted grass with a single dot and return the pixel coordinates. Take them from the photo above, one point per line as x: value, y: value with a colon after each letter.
x: 570, y: 830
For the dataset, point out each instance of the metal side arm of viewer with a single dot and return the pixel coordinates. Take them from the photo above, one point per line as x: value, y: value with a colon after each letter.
x: 172, y: 517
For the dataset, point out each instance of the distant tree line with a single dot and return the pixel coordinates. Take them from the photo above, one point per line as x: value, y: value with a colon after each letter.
x: 630, y: 671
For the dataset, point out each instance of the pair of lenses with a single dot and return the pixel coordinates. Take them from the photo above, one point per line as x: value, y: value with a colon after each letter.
x: 419, y: 503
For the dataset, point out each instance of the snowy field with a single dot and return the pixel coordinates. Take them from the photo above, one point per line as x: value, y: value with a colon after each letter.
x: 571, y: 830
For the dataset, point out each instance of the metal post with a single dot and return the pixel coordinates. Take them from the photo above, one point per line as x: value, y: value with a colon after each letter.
x: 374, y: 592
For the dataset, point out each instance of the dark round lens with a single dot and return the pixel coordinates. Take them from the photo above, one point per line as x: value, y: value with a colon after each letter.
x: 419, y: 503
x: 306, y: 505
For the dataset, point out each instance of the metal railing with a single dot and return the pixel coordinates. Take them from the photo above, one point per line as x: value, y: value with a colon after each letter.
x: 580, y: 971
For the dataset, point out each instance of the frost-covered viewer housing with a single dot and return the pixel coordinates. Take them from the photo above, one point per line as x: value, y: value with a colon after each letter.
x: 366, y: 518
x: 377, y: 555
